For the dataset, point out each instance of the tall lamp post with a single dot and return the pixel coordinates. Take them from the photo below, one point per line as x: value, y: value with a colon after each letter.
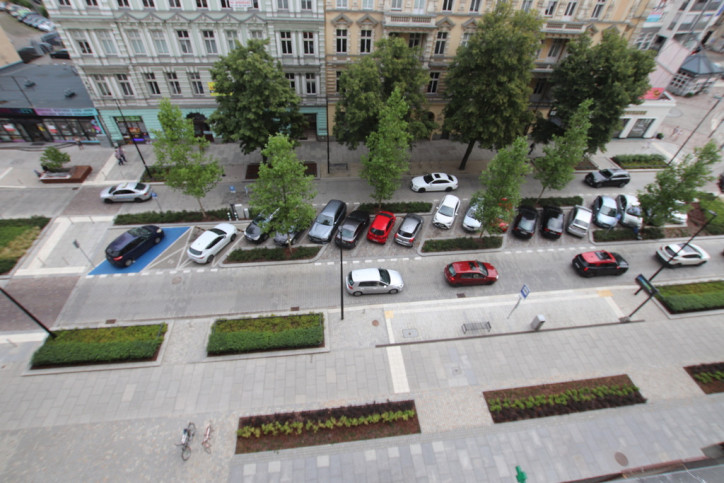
x: 148, y: 173
x: 341, y: 280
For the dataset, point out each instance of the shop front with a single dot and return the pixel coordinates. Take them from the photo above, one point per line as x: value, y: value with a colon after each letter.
x: 49, y: 125
x: 132, y: 128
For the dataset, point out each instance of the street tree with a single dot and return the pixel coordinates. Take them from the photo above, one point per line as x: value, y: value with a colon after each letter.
x: 181, y: 155
x: 678, y: 182
x: 488, y: 82
x: 53, y: 159
x: 611, y: 73
x: 254, y: 99
x: 556, y: 168
x: 367, y: 84
x: 283, y: 188
x: 388, y: 150
x: 501, y: 183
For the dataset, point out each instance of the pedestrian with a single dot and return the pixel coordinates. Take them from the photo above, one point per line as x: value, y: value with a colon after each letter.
x: 78, y: 143
x: 120, y: 156
x: 675, y: 133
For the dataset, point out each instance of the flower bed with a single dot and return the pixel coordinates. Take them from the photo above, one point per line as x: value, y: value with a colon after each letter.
x: 709, y: 377
x: 563, y: 398
x: 273, y: 432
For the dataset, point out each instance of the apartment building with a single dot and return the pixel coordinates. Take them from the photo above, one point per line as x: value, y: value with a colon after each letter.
x: 132, y: 53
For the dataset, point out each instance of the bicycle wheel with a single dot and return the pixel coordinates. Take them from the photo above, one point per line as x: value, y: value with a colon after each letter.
x: 185, y: 452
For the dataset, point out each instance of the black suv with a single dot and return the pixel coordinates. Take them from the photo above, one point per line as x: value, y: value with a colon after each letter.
x: 124, y: 250
x: 608, y: 177
x: 352, y: 228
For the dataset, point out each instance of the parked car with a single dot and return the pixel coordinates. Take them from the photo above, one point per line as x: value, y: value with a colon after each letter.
x: 28, y: 54
x: 284, y: 239
x: 381, y: 227
x: 46, y: 26
x: 604, y: 212
x: 470, y: 223
x: 125, y: 250
x: 471, y: 272
x: 681, y: 254
x: 579, y: 219
x: 434, y: 182
x: 367, y: 281
x: 327, y: 221
x: 408, y: 230
x: 127, y: 192
x: 256, y: 232
x: 446, y: 212
x: 52, y: 38
x: 629, y: 211
x: 608, y: 177
x: 352, y: 228
x: 552, y: 222
x: 60, y: 54
x: 525, y: 222
x: 211, y: 242
x: 600, y: 262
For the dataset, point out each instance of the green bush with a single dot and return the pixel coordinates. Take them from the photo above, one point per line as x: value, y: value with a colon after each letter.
x: 553, y: 201
x: 39, y: 221
x: 640, y: 161
x: 104, y: 345
x: 462, y: 243
x: 158, y: 173
x: 53, y: 159
x: 713, y: 203
x: 398, y: 207
x: 625, y: 234
x: 155, y: 217
x: 692, y: 297
x: 238, y: 336
x: 263, y: 254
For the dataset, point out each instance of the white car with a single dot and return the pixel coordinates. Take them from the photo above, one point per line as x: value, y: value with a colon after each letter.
x: 629, y: 211
x: 211, y: 242
x: 680, y: 254
x: 434, y: 182
x: 126, y: 192
x: 470, y: 223
x: 374, y: 281
x: 446, y: 212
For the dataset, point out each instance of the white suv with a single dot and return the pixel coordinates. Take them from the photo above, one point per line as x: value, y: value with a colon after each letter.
x: 446, y: 212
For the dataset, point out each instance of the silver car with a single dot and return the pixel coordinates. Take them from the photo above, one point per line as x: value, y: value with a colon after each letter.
x: 470, y: 223
x: 373, y: 281
x: 446, y: 212
x: 408, y: 230
x: 579, y: 219
x: 605, y: 213
x: 126, y: 192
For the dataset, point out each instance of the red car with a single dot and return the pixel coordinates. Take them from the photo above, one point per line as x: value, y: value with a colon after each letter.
x: 601, y: 262
x: 381, y: 227
x: 472, y: 272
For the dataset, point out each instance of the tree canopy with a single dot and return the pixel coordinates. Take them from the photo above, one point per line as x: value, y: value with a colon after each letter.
x: 488, y: 82
x: 367, y: 84
x: 254, y: 99
x: 611, y: 73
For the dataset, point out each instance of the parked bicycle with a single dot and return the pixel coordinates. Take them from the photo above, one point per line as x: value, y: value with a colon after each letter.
x: 206, y: 443
x: 186, y: 437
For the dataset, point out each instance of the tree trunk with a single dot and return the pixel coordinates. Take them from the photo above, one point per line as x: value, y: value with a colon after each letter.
x: 464, y: 162
x: 540, y: 195
x: 203, y: 212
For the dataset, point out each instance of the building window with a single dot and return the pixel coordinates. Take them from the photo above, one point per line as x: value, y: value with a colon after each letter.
x: 225, y: 4
x: 419, y: 6
x: 84, y: 46
x: 174, y: 3
x: 540, y: 85
x: 556, y: 48
x: 440, y: 43
x: 257, y: 34
x: 306, y: 4
x: 152, y: 84
x: 311, y: 83
x: 365, y: 42
x: 173, y: 84
x: 202, y: 4
x: 197, y: 87
x: 65, y: 3
x: 474, y: 5
x: 415, y: 40
x: 598, y: 9
x: 159, y: 42
x: 121, y: 3
x: 447, y: 5
x: 283, y: 4
x: 396, y: 4
x: 149, y: 4
x: 466, y: 38
x: 92, y: 3
x: 136, y: 43
x: 109, y: 48
x: 286, y: 41
x: 232, y: 37
x: 308, y: 42
x: 432, y: 85
x: 526, y: 5
x: 644, y: 41
x: 292, y: 82
x: 341, y: 3
x: 368, y: 4
x: 341, y: 41
x: 184, y: 42
x: 336, y: 85
x: 125, y: 84
x: 570, y: 8
x: 210, y: 41
x: 551, y: 8
x: 101, y: 85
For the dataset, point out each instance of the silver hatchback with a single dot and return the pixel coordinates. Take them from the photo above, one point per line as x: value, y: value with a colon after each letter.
x: 373, y: 281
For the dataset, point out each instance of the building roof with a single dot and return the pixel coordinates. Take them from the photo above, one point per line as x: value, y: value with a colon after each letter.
x: 42, y: 87
x: 700, y: 65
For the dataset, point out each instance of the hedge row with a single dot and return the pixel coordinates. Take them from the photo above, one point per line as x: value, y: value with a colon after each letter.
x: 398, y: 207
x: 640, y: 161
x: 625, y: 234
x: 155, y: 217
x: 88, y: 346
x: 263, y: 254
x: 462, y: 243
x: 692, y: 297
x: 713, y: 203
x: 240, y: 336
x: 553, y: 201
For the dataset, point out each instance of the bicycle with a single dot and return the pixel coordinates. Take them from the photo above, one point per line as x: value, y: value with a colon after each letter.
x: 206, y: 443
x: 186, y: 437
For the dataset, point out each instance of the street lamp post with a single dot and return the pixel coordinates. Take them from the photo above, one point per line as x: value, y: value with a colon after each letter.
x: 341, y: 280
x: 27, y: 312
x: 148, y: 173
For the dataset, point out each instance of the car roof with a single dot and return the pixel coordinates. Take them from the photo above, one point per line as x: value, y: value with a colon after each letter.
x: 203, y: 240
x: 450, y: 199
x: 607, y: 200
x: 598, y: 256
x: 365, y: 274
x: 411, y: 219
x: 467, y: 266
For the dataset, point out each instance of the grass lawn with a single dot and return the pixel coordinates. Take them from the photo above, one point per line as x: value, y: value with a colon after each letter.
x: 16, y: 237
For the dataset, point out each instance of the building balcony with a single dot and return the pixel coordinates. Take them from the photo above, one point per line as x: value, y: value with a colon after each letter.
x: 563, y: 29
x: 407, y: 22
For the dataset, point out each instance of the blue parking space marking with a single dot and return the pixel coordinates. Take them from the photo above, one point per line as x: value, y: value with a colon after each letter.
x: 171, y: 235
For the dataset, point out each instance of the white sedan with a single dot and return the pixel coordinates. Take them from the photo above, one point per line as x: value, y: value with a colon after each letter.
x: 127, y: 192
x: 434, y: 182
x: 446, y: 212
x: 211, y: 242
x: 680, y: 254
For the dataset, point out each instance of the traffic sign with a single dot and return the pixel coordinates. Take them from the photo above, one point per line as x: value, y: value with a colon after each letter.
x: 525, y: 291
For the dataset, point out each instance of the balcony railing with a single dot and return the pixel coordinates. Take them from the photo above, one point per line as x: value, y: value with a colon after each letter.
x: 409, y: 21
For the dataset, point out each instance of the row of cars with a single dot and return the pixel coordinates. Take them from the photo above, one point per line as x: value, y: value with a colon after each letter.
x: 27, y: 16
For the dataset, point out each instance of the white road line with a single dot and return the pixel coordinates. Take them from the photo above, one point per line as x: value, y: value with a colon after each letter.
x: 397, y: 370
x: 5, y: 173
x: 60, y: 226
x: 616, y: 309
x: 32, y: 272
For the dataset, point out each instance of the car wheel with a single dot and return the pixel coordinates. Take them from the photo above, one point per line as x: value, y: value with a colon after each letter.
x: 597, y: 185
x: 210, y: 259
x: 157, y: 240
x: 421, y: 190
x: 108, y: 201
x: 129, y: 262
x: 448, y: 189
x: 357, y: 294
x: 622, y: 184
x: 138, y: 200
x: 393, y: 291
x: 233, y: 237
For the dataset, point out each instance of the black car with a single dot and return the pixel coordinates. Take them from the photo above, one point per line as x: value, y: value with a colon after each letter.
x: 255, y: 231
x: 552, y: 222
x: 60, y: 54
x: 601, y: 262
x: 352, y: 228
x: 608, y: 177
x: 284, y: 239
x: 408, y: 230
x: 525, y: 222
x: 125, y: 249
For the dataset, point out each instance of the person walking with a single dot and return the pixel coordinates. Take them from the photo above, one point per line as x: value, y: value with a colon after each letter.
x: 120, y: 156
x: 78, y: 143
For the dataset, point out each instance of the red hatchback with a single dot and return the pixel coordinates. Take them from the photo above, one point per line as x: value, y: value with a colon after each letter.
x: 472, y: 272
x: 381, y: 227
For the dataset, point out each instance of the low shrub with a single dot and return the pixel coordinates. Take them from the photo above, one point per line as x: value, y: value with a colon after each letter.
x: 553, y: 201
x: 158, y: 173
x: 238, y: 336
x: 398, y: 207
x: 692, y: 297
x: 155, y: 217
x: 713, y: 203
x: 98, y: 346
x: 263, y: 254
x: 462, y: 243
x: 640, y: 161
x: 626, y: 234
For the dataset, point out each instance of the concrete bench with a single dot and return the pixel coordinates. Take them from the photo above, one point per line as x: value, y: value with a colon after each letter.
x: 476, y: 327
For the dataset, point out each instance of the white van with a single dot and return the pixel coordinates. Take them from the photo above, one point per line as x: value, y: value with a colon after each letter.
x: 579, y: 219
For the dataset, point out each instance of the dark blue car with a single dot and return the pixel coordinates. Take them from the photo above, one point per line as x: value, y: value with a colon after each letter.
x: 125, y: 249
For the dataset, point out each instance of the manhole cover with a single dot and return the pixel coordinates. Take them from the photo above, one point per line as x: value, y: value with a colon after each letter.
x: 409, y: 333
x: 621, y: 458
x: 456, y: 371
x: 375, y: 323
x: 176, y: 280
x: 461, y: 295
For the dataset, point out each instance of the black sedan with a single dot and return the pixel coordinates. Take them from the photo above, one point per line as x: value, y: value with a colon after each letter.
x: 124, y: 250
x: 351, y: 228
x: 552, y: 222
x: 284, y: 239
x: 525, y: 222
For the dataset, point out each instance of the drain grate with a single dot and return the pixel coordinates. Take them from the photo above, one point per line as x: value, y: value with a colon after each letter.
x: 295, y: 309
x: 461, y: 295
x: 110, y: 321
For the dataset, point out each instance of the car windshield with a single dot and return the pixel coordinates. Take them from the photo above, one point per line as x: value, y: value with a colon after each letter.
x: 451, y: 270
x: 325, y: 220
x: 427, y: 178
x: 608, y: 211
x: 140, y: 186
x: 633, y: 210
x: 556, y: 222
x: 346, y: 233
x: 607, y: 173
x: 475, y: 266
x: 385, y: 275
x: 217, y: 231
x: 446, y: 210
x: 112, y: 189
x: 138, y: 231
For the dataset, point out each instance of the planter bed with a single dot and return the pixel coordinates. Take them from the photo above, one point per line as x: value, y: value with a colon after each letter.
x: 562, y: 398
x: 462, y: 243
x: 252, y: 170
x: 334, y: 425
x: 692, y: 297
x: 709, y: 377
x: 16, y: 237
x: 262, y: 254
